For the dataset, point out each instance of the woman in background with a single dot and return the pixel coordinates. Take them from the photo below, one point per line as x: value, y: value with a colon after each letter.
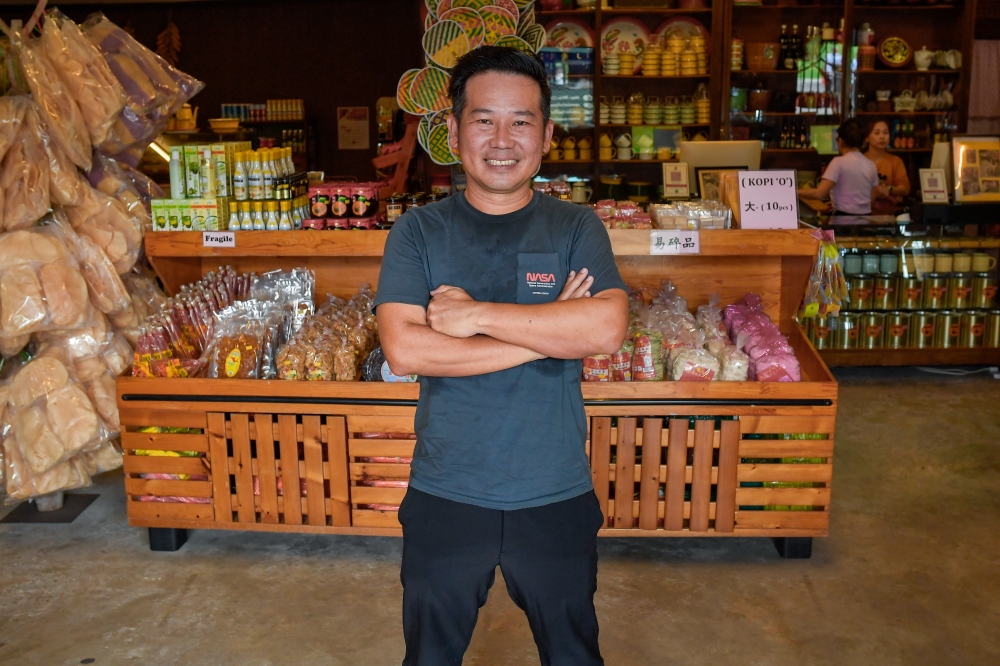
x: 851, y: 178
x: 893, y: 184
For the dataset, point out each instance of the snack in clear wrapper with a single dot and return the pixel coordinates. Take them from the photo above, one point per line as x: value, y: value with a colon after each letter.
x: 345, y: 363
x: 107, y: 291
x: 621, y: 363
x: 12, y: 109
x: 291, y: 362
x: 108, y: 223
x: 735, y: 365
x: 24, y: 177
x: 597, y: 368
x: 647, y: 359
x: 694, y: 365
x: 66, y: 185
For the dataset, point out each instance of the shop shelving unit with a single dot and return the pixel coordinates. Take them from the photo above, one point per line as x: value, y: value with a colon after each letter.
x: 731, y: 459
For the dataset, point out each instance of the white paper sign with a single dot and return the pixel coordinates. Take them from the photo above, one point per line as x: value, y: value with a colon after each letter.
x: 218, y: 239
x: 768, y: 200
x: 669, y: 241
x: 933, y: 186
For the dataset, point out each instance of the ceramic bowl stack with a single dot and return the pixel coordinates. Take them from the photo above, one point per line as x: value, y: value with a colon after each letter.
x: 736, y: 56
x: 702, y: 110
x: 605, y: 111
x: 651, y: 60
x: 670, y: 111
x: 627, y: 61
x: 670, y: 61
x: 612, y: 65
x: 636, y: 107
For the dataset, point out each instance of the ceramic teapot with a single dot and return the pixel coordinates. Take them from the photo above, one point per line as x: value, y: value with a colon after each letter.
x: 923, y: 59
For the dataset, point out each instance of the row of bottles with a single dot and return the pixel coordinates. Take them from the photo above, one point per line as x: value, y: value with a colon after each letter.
x: 794, y: 135
x: 269, y: 215
x: 256, y: 171
x: 794, y: 48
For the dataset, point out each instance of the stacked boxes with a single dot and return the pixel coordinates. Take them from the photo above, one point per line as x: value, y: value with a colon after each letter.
x: 196, y: 209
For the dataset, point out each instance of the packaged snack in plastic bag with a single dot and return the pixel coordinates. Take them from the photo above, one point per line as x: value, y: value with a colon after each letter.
x: 694, y: 365
x: 66, y: 185
x: 597, y: 368
x: 61, y: 112
x: 85, y: 73
x: 12, y: 108
x: 107, y: 291
x: 778, y: 367
x: 108, y: 177
x: 709, y: 317
x: 647, y: 359
x: 22, y: 483
x: 621, y: 363
x: 104, y: 459
x: 147, y: 296
x: 24, y: 178
x: 109, y: 224
x: 12, y: 346
x: 41, y: 287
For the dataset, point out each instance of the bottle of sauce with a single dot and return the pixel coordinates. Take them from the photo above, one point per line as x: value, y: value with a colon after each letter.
x: 297, y: 214
x: 285, y: 219
x: 289, y: 162
x: 271, y: 221
x: 246, y: 221
x: 240, y: 178
x: 258, y: 216
x: 234, y: 219
x: 207, y: 173
x: 267, y: 173
x: 255, y: 179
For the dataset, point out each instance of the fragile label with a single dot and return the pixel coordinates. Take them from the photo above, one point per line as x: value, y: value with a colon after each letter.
x: 669, y: 241
x: 218, y: 239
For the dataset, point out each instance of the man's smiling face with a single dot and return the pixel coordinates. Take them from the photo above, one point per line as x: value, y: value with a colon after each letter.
x: 501, y: 135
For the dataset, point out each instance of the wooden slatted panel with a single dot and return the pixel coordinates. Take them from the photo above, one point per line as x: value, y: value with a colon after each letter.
x: 600, y: 460
x: 701, y: 484
x: 362, y: 471
x: 801, y: 473
x: 368, y: 518
x: 782, y: 496
x: 163, y: 441
x: 685, y: 513
x: 340, y: 492
x: 673, y: 518
x: 373, y: 495
x: 172, y: 511
x: 313, y: 455
x: 649, y: 474
x: 165, y: 465
x: 266, y: 469
x: 380, y: 423
x: 218, y: 456
x: 688, y: 473
x: 242, y: 469
x: 165, y: 418
x: 786, y: 448
x: 165, y: 488
x: 725, y: 489
x: 787, y: 424
x: 625, y: 471
x: 811, y: 520
x: 387, y: 448
x: 289, y: 447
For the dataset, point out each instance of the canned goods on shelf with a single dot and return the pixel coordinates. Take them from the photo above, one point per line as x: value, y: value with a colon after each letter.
x: 984, y: 290
x: 922, y: 328
x: 821, y: 331
x: 935, y: 291
x: 948, y: 329
x: 992, y: 337
x: 847, y: 333
x: 960, y: 291
x: 897, y: 329
x: 885, y: 292
x: 910, y: 293
x: 973, y: 332
x: 872, y: 334
x: 860, y: 290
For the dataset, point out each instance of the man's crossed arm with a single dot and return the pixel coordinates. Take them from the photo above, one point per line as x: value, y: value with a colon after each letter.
x: 459, y: 337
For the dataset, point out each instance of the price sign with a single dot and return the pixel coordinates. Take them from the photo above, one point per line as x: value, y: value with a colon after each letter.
x: 666, y: 241
x: 218, y: 239
x: 768, y: 200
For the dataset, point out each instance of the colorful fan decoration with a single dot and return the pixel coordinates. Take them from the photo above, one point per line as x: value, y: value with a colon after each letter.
x: 452, y: 29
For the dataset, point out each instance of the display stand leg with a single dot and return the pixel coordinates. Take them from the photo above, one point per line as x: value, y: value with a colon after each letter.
x: 794, y: 548
x: 166, y: 539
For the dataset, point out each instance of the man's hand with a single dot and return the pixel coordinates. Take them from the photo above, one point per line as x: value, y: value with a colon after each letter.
x: 577, y: 286
x: 452, y: 312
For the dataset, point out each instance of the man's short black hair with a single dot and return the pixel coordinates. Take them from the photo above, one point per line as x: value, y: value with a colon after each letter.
x: 851, y: 133
x: 503, y: 59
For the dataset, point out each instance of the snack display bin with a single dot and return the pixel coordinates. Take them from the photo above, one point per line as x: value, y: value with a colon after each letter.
x: 668, y: 458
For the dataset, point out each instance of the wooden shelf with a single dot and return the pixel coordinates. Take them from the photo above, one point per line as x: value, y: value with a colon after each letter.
x: 755, y: 72
x: 904, y: 113
x: 788, y: 150
x: 873, y: 72
x: 898, y: 357
x: 614, y: 11
x: 655, y: 78
x: 829, y: 8
x: 567, y: 161
x: 906, y: 7
x: 566, y: 12
x: 910, y: 150
x: 636, y: 160
x: 654, y: 125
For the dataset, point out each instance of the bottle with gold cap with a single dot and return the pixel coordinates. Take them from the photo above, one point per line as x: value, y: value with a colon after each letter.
x: 240, y: 177
x: 246, y: 221
x: 258, y: 216
x: 267, y: 173
x: 289, y: 162
x: 296, y: 214
x: 285, y: 219
x: 255, y: 179
x: 234, y: 218
x: 271, y: 221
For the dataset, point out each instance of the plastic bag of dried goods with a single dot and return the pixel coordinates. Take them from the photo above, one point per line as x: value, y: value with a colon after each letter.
x: 108, y: 223
x: 60, y: 110
x: 41, y: 287
x: 694, y: 365
x: 106, y: 458
x: 23, y: 484
x: 85, y: 73
x: 66, y: 185
x: 107, y: 291
x: 147, y: 296
x: 597, y: 368
x: 621, y: 363
x: 647, y: 359
x: 52, y: 417
x: 144, y: 185
x: 709, y: 317
x: 735, y: 365
x: 778, y: 367
x: 24, y: 177
x: 12, y: 108
x: 107, y: 176
x: 346, y: 362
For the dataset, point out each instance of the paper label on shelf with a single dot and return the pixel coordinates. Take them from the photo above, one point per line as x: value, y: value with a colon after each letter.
x: 669, y: 241
x: 768, y: 200
x: 218, y: 239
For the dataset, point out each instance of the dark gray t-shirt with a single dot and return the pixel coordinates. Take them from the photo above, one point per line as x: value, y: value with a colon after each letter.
x: 511, y: 439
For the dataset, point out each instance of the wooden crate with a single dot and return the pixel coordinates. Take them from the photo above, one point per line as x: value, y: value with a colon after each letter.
x: 728, y: 459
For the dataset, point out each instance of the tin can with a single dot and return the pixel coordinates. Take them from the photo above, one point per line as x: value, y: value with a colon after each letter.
x: 861, y: 288
x: 394, y: 208
x: 364, y: 200
x: 973, y: 328
x: 847, y: 332
x: 872, y: 330
x: 922, y: 327
x: 885, y: 292
x: 935, y: 291
x: 909, y: 293
x: 897, y: 329
x: 820, y: 333
x: 960, y: 291
x: 992, y: 337
x: 948, y: 329
x: 984, y: 290
x: 340, y: 200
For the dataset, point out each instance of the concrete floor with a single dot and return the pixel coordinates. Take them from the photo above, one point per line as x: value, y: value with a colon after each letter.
x: 910, y: 574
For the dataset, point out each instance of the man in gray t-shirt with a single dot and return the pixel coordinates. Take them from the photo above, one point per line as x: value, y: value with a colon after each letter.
x: 493, y: 296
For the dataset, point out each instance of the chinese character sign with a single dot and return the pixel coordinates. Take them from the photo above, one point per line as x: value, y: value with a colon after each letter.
x: 768, y: 200
x: 668, y: 241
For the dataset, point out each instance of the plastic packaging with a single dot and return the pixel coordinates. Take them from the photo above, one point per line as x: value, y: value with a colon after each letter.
x: 12, y: 108
x: 108, y: 223
x: 107, y: 291
x: 24, y: 178
x: 109, y: 177
x: 647, y: 359
x: 597, y: 368
x: 694, y: 365
x: 66, y: 185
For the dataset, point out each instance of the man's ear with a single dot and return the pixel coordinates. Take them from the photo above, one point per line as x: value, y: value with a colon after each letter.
x: 453, y: 134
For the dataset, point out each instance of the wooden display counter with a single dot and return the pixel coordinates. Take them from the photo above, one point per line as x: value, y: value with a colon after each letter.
x: 729, y: 459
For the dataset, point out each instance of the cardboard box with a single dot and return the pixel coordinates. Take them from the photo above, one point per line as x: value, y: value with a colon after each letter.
x: 192, y: 172
x: 222, y: 177
x: 174, y: 214
x: 158, y: 209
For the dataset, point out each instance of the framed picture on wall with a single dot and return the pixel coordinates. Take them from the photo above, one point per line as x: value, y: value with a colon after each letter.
x: 977, y: 168
x: 710, y: 178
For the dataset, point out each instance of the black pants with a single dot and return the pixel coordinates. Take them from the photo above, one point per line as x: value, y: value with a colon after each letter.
x: 548, y: 556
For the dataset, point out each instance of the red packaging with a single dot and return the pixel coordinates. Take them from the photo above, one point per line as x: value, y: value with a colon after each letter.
x: 364, y: 200
x: 340, y: 200
x: 621, y: 366
x: 319, y: 202
x: 363, y: 223
x: 597, y: 368
x: 642, y: 360
x: 313, y: 224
